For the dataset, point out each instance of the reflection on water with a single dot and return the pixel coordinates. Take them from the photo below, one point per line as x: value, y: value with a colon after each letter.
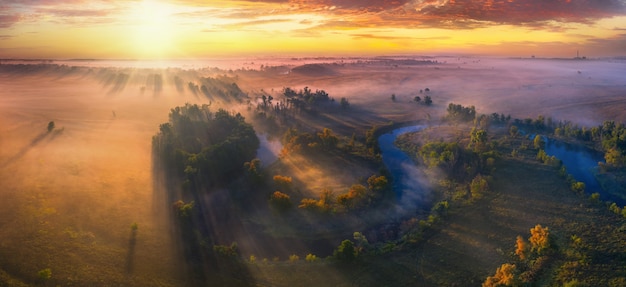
x: 409, y: 182
x: 580, y: 163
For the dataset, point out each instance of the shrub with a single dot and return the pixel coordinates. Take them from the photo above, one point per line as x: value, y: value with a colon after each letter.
x: 45, y: 274
x: 578, y: 187
x: 293, y: 258
x: 311, y: 258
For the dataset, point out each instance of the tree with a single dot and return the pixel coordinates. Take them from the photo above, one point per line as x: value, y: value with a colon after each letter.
x: 478, y: 186
x: 428, y: 100
x: 50, y: 126
x: 615, y: 157
x: 513, y: 131
x: 344, y: 103
x: 378, y: 184
x: 578, y: 187
x: 328, y: 138
x: 393, y: 97
x: 417, y: 99
x: 506, y: 275
x: 538, y: 142
x: 345, y: 251
x: 539, y: 239
x: 478, y: 139
x: 521, y: 249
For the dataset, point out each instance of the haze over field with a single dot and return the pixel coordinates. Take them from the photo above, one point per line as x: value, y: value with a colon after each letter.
x: 90, y: 178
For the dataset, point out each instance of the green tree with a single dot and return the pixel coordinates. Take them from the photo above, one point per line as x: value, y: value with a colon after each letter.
x: 345, y: 251
x: 478, y: 186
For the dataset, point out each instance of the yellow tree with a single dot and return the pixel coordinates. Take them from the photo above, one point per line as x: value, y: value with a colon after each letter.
x: 506, y: 275
x: 521, y: 249
x: 539, y: 238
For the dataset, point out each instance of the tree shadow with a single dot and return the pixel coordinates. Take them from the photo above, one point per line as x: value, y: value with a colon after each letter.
x: 33, y: 143
x: 130, y: 256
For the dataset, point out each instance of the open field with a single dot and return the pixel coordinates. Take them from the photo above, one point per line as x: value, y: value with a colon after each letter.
x: 71, y: 195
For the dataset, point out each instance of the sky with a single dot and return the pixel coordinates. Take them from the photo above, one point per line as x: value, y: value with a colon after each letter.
x: 190, y: 29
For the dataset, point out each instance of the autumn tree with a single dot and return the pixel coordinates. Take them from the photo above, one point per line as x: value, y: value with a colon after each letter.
x: 357, y: 196
x: 521, y: 249
x: 506, y: 275
x: 283, y: 182
x: 328, y: 138
x: 378, y: 184
x: 539, y: 239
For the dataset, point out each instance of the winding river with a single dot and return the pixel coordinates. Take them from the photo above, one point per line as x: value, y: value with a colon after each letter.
x: 410, y: 183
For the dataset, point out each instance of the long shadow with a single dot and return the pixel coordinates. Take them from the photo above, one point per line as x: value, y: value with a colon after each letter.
x: 130, y: 256
x: 192, y: 234
x: 33, y: 143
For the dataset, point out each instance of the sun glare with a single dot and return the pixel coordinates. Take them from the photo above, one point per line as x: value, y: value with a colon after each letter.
x: 153, y: 29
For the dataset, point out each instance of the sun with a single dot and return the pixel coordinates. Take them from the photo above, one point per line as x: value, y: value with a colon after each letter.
x: 152, y: 29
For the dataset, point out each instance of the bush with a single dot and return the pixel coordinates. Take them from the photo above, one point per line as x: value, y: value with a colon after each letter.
x: 44, y: 274
x: 311, y: 258
x: 578, y: 187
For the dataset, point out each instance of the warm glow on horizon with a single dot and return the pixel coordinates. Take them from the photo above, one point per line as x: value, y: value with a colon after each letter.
x: 153, y: 29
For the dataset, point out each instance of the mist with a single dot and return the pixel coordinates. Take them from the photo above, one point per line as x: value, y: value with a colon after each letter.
x: 73, y: 194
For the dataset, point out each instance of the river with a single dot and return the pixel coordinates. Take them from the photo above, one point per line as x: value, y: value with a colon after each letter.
x: 410, y: 183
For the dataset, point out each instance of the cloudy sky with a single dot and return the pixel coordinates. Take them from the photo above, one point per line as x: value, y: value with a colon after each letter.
x: 205, y: 29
